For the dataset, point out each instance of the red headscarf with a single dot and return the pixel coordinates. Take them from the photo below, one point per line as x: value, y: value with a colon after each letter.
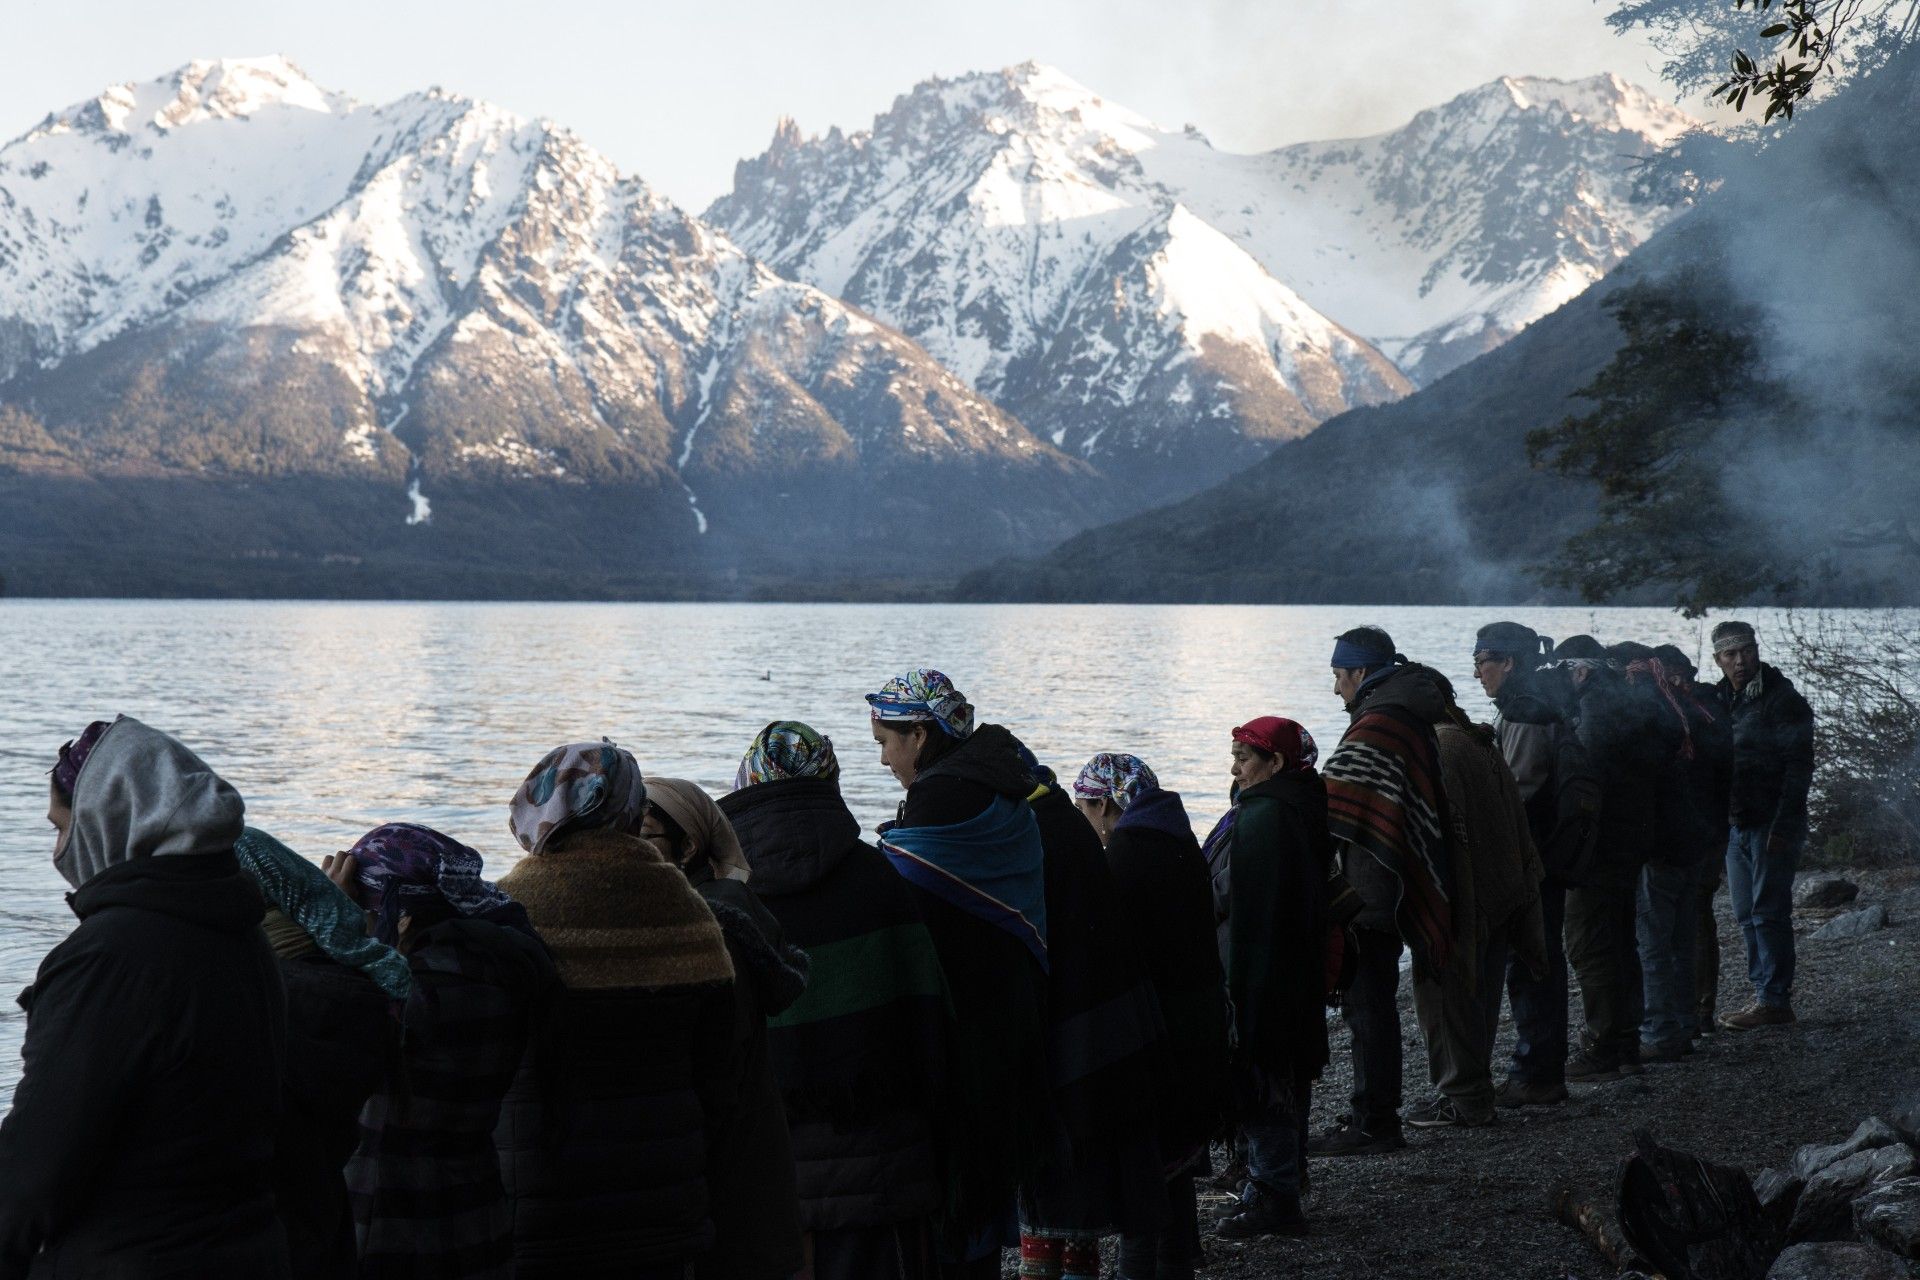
x: 1282, y: 737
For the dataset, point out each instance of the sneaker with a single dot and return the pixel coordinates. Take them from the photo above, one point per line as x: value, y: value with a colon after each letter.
x: 1758, y: 1015
x: 1518, y: 1093
x: 1263, y: 1213
x: 1349, y: 1139
x: 1587, y: 1065
x: 1650, y: 1052
x: 1443, y: 1112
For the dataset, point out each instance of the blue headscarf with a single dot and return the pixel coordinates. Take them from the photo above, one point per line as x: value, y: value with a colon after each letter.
x: 305, y: 895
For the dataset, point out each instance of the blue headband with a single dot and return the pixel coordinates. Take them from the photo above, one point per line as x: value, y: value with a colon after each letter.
x: 1353, y: 657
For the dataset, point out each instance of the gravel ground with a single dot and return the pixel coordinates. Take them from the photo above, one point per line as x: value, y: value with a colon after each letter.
x: 1478, y: 1202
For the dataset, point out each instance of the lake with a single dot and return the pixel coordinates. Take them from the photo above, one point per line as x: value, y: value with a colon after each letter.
x: 331, y: 718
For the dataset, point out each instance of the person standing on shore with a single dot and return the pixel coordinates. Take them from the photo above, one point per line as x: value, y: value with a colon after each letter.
x: 141, y: 1139
x: 862, y: 1056
x: 1278, y: 856
x: 1772, y: 774
x: 1166, y: 906
x: 1385, y: 812
x: 1712, y: 781
x: 968, y: 843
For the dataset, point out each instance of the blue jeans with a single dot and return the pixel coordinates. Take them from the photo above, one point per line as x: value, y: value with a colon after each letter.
x: 1667, y: 919
x: 1760, y: 885
x: 1540, y: 1006
x: 1277, y: 1142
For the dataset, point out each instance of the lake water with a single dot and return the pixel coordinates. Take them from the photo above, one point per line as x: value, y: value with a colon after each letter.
x: 331, y: 718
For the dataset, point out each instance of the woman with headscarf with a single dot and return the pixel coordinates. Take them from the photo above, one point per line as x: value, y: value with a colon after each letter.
x: 1277, y: 856
x: 140, y: 1143
x: 343, y: 991
x: 425, y: 1181
x: 968, y: 843
x: 604, y: 1137
x: 756, y: 1205
x: 861, y: 1057
x: 1168, y: 911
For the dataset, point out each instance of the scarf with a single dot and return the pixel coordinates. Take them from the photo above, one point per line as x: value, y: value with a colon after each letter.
x: 403, y: 865
x: 991, y: 866
x: 581, y: 785
x: 313, y: 906
x: 710, y: 838
x: 1279, y: 736
x: 786, y: 749
x: 1655, y: 670
x: 615, y: 914
x: 1384, y: 799
x: 66, y: 770
x: 1120, y: 778
x: 923, y: 696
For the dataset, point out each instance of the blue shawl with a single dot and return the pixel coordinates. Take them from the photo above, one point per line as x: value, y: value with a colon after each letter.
x: 990, y: 866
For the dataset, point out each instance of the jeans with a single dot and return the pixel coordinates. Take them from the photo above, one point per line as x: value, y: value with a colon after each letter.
x: 1277, y: 1142
x: 1372, y: 1012
x: 1605, y: 954
x: 1175, y: 1251
x: 1540, y: 1005
x: 1459, y: 1025
x: 1760, y: 885
x: 1666, y: 920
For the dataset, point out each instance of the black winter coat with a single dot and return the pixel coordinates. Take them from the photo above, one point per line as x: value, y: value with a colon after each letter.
x: 1633, y: 741
x: 342, y: 1037
x: 140, y: 1144
x: 1772, y: 754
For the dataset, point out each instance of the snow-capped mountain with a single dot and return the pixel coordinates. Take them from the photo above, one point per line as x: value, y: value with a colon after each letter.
x: 1015, y: 222
x: 232, y: 270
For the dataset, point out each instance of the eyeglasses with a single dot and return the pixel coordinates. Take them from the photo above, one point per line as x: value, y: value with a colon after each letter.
x: 1487, y: 660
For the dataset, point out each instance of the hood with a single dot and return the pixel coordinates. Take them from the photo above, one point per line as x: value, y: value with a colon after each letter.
x: 990, y: 757
x: 761, y: 953
x: 1157, y: 811
x: 205, y: 889
x: 1411, y: 685
x: 793, y: 831
x: 141, y: 794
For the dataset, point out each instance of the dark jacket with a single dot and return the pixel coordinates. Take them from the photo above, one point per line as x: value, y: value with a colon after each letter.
x: 1167, y: 904
x: 425, y: 1180
x: 1527, y: 723
x: 1277, y: 927
x: 756, y: 1206
x: 342, y: 1038
x: 140, y: 1144
x: 861, y: 1057
x: 1633, y: 741
x: 1772, y: 754
x: 1693, y: 829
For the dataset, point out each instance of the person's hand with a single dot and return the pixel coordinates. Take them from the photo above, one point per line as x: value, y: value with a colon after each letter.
x: 344, y: 870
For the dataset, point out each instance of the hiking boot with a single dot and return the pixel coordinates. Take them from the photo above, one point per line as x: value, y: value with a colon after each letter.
x: 1349, y: 1139
x: 1263, y: 1213
x: 1442, y: 1112
x: 1587, y: 1065
x: 1757, y: 1015
x: 1650, y: 1052
x: 1518, y: 1093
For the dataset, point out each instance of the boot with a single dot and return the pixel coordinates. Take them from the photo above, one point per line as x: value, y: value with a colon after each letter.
x: 1263, y: 1213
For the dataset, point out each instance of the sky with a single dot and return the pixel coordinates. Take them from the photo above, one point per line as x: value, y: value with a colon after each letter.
x: 677, y: 92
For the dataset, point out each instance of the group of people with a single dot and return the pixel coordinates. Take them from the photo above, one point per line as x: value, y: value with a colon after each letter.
x: 735, y: 1040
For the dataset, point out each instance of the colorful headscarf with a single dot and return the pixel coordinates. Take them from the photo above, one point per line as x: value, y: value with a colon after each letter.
x: 923, y: 696
x: 1282, y: 737
x: 710, y: 836
x: 66, y: 771
x: 403, y: 865
x: 321, y: 910
x: 1110, y: 775
x: 786, y: 749
x: 580, y: 786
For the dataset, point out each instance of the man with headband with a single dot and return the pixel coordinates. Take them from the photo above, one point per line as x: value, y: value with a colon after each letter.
x: 1772, y: 773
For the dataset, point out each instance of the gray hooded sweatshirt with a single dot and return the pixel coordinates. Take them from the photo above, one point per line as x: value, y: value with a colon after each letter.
x: 141, y: 794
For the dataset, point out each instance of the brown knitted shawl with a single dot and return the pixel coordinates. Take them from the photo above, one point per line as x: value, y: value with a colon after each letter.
x: 614, y: 913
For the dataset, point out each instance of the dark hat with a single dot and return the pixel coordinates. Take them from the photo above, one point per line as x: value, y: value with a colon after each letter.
x: 1513, y: 638
x: 1674, y: 659
x: 1732, y: 635
x: 1582, y: 646
x: 1627, y: 651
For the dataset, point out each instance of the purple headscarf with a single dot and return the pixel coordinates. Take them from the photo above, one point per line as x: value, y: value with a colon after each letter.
x: 66, y: 771
x: 402, y: 865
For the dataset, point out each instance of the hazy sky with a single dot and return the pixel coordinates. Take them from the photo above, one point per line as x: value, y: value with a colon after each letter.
x: 676, y: 92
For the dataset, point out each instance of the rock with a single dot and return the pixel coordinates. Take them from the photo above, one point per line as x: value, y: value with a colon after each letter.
x: 1889, y: 1215
x: 1825, y: 1211
x: 1821, y: 892
x: 1905, y: 1118
x: 1835, y: 1262
x: 1779, y: 1193
x: 1854, y: 924
x: 1872, y: 1133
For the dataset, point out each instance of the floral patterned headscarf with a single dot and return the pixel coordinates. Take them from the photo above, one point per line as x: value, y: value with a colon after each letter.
x: 402, y: 865
x: 1113, y: 776
x: 66, y: 770
x: 786, y: 749
x: 580, y: 786
x: 924, y: 696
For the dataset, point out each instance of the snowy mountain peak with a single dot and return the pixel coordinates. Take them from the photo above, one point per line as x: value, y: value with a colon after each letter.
x: 1603, y: 101
x: 202, y: 90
